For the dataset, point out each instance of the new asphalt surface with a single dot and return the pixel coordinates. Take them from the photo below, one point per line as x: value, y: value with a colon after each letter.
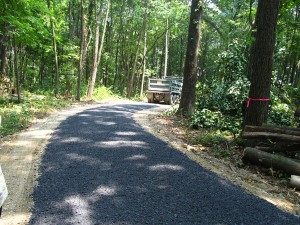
x: 101, y: 167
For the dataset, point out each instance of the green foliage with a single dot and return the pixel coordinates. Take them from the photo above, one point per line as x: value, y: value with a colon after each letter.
x: 211, y: 139
x: 16, y: 117
x: 221, y: 153
x: 101, y: 93
x: 282, y: 114
x: 206, y: 118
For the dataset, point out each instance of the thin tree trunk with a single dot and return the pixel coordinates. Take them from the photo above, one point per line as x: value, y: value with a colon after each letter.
x: 3, y: 54
x: 17, y: 75
x: 55, y: 53
x: 144, y: 64
x: 98, y: 50
x: 261, y: 61
x: 81, y: 57
x: 166, y: 50
x: 187, y: 103
x: 130, y: 87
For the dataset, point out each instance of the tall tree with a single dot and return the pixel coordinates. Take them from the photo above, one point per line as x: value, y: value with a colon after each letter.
x: 261, y: 61
x: 166, y: 50
x: 97, y: 48
x: 55, y: 52
x: 187, y: 103
x: 130, y: 85
x: 81, y: 55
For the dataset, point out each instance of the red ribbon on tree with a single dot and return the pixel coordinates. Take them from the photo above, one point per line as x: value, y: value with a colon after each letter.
x: 257, y: 99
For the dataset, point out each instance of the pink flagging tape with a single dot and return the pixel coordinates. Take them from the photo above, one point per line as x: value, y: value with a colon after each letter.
x: 257, y: 99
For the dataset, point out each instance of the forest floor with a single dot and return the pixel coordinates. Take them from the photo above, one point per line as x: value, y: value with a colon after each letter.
x: 21, y: 155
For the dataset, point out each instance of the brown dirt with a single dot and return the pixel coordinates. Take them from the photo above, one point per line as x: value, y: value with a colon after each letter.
x: 21, y: 155
x: 253, y: 179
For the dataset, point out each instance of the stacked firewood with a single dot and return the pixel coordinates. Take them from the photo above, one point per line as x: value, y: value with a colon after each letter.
x: 283, y: 154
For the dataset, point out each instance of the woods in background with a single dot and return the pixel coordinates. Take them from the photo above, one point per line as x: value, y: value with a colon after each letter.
x: 69, y: 47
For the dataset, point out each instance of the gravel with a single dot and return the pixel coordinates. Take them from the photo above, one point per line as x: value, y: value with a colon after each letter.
x: 101, y: 167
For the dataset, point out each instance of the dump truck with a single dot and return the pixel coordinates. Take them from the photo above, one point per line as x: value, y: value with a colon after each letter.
x: 167, y: 90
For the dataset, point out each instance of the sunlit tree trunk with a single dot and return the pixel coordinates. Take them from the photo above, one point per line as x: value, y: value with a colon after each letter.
x: 144, y: 65
x: 97, y: 49
x: 166, y: 50
x: 130, y: 86
x: 261, y: 61
x: 187, y: 103
x: 81, y: 56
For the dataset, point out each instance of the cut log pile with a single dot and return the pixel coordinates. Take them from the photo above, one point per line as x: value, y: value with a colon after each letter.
x: 283, y: 154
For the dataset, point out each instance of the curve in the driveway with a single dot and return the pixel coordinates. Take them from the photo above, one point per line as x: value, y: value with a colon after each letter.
x: 101, y: 167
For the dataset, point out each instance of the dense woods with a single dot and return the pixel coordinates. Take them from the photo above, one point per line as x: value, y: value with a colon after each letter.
x: 70, y: 48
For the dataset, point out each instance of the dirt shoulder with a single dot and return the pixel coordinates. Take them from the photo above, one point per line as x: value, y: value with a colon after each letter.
x: 21, y: 155
x: 265, y: 187
x: 20, y: 159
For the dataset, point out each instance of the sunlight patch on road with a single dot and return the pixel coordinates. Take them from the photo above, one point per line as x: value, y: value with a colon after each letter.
x: 165, y: 167
x: 136, y: 157
x: 89, y: 160
x: 119, y: 144
x: 80, y: 209
x: 105, y: 123
x: 126, y: 133
x: 102, y: 191
x: 72, y: 139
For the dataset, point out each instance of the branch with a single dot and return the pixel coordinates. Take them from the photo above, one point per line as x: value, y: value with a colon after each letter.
x: 213, y: 25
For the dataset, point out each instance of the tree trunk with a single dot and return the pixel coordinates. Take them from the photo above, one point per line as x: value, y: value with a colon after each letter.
x: 261, y: 61
x: 268, y: 160
x: 166, y: 50
x: 3, y: 54
x: 17, y: 74
x: 97, y: 50
x: 130, y: 86
x: 272, y: 136
x: 187, y: 103
x: 81, y: 56
x: 55, y: 53
x: 273, y: 129
x: 144, y: 65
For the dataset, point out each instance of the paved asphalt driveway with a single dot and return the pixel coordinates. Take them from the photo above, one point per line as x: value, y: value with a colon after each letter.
x: 101, y: 167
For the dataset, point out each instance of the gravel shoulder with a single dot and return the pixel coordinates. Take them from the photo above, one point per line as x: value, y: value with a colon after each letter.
x: 286, y: 199
x: 21, y: 155
x: 20, y: 158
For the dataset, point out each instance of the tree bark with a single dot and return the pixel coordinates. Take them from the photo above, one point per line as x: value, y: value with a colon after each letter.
x: 130, y: 86
x: 261, y: 61
x: 268, y: 160
x: 272, y: 136
x: 81, y: 56
x: 166, y: 50
x: 273, y: 129
x: 3, y: 54
x: 98, y: 50
x: 144, y: 65
x: 17, y: 74
x: 187, y: 103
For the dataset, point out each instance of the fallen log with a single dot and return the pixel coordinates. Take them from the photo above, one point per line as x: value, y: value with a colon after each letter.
x: 273, y: 129
x: 268, y: 160
x: 272, y: 136
x: 295, y: 181
x: 280, y: 148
